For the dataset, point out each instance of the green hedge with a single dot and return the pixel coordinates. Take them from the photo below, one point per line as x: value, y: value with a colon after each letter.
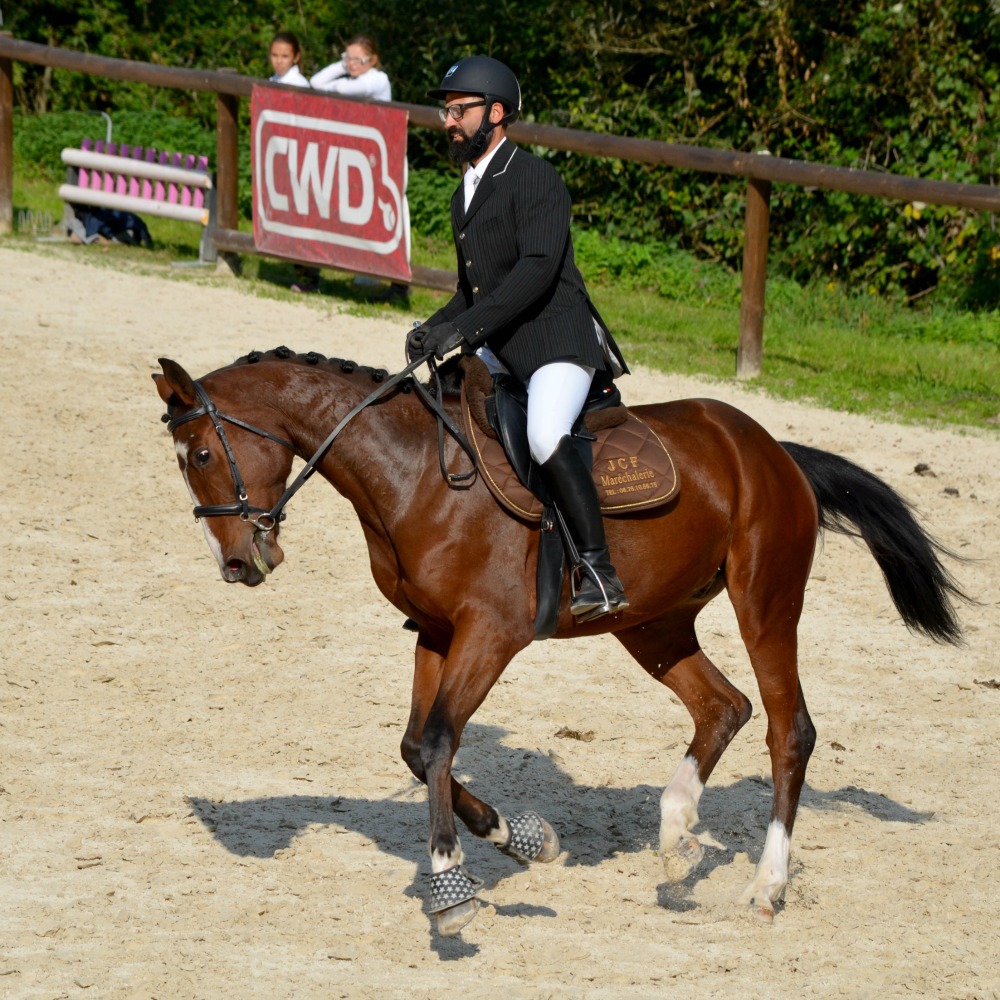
x: 40, y: 139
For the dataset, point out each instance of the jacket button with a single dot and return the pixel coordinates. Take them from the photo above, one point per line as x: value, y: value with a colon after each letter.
x: 468, y: 263
x: 475, y: 291
x: 461, y: 236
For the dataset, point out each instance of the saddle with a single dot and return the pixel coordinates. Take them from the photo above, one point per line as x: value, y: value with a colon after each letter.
x: 632, y: 469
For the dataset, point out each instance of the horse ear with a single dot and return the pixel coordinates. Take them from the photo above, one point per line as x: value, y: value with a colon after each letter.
x: 175, y: 385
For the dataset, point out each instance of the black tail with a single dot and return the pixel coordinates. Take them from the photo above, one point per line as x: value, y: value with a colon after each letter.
x: 921, y: 588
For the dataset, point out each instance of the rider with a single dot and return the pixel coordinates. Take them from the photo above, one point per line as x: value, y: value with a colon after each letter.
x: 521, y: 303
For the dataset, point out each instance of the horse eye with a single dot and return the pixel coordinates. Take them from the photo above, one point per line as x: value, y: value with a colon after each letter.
x: 201, y: 457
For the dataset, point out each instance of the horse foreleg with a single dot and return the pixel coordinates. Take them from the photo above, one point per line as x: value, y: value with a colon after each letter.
x: 481, y: 819
x: 449, y: 685
x: 671, y: 654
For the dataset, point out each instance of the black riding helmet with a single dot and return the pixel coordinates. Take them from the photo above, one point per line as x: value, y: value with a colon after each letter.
x: 486, y: 76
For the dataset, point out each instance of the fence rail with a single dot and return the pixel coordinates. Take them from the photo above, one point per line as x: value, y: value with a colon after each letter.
x: 760, y: 170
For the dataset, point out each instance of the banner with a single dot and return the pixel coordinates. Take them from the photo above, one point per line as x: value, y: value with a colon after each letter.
x: 329, y: 180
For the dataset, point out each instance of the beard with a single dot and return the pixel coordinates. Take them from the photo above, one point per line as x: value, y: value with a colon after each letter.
x: 465, y: 149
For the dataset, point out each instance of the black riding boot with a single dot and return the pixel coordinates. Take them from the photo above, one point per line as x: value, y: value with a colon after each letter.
x: 569, y: 481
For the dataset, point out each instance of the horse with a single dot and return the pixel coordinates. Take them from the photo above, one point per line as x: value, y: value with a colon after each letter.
x: 746, y: 519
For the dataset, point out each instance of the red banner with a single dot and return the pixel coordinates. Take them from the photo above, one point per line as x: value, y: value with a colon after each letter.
x: 329, y: 180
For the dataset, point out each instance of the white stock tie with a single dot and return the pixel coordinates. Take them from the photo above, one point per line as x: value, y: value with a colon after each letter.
x: 471, y: 180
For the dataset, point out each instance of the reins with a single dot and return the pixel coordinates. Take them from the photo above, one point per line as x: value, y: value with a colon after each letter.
x: 266, y: 520
x: 443, y: 422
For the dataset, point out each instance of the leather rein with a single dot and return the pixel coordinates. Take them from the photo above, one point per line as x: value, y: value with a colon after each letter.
x: 266, y: 520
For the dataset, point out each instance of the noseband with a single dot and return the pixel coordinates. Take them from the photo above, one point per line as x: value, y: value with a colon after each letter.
x: 266, y: 520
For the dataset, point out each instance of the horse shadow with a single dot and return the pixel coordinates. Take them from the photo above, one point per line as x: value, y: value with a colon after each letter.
x: 594, y: 823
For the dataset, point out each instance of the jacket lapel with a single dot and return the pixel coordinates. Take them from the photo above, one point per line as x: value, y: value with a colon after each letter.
x: 496, y: 170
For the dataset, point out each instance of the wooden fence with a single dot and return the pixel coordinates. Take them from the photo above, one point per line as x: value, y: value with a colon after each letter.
x: 761, y: 171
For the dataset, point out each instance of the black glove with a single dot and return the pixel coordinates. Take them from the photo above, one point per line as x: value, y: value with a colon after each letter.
x: 415, y: 342
x: 437, y: 340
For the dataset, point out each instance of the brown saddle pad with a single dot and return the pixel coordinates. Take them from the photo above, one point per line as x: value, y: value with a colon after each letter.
x: 633, y: 470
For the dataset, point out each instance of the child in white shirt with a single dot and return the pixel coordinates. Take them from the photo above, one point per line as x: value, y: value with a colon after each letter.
x: 356, y: 73
x: 286, y: 53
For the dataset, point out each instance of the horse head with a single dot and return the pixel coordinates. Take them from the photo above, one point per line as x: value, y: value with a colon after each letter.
x: 217, y: 464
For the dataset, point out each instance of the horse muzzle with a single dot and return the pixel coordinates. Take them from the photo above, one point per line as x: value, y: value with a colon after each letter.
x: 264, y: 555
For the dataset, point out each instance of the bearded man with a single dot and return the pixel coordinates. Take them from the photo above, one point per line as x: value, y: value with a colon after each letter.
x: 522, y: 304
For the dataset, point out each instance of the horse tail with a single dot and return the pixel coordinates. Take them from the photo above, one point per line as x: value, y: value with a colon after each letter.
x: 921, y: 588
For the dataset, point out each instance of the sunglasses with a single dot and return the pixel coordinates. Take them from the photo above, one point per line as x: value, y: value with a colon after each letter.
x: 355, y: 59
x: 456, y: 111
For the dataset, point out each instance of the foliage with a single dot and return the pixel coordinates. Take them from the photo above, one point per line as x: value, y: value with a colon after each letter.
x: 428, y: 193
x: 911, y: 87
x: 185, y: 33
x: 39, y: 139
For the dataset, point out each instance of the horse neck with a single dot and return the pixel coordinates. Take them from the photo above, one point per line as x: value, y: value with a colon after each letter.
x: 370, y: 461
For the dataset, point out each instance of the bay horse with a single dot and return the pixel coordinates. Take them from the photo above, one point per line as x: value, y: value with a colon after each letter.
x: 746, y: 520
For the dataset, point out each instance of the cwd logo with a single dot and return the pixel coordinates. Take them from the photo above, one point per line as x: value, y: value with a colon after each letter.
x: 328, y: 181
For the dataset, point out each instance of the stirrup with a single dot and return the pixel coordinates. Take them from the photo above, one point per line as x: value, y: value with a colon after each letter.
x: 611, y: 606
x: 609, y: 598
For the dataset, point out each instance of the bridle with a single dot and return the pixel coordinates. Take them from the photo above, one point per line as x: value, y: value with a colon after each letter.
x: 264, y: 520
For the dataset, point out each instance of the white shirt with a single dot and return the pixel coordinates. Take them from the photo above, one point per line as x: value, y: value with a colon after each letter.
x: 293, y: 78
x: 474, y: 174
x: 470, y: 181
x: 334, y: 79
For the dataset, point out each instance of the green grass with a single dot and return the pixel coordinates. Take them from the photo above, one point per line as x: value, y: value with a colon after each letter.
x: 672, y: 313
x: 820, y: 359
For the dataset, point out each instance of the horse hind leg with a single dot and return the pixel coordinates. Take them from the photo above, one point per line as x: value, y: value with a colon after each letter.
x: 671, y: 654
x: 790, y: 739
x: 767, y: 595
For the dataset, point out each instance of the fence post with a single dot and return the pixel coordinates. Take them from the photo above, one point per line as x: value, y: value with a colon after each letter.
x: 6, y: 141
x: 227, y: 170
x: 751, y: 349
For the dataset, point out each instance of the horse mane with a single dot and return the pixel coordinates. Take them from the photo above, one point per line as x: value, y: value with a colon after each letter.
x: 451, y: 372
x: 312, y: 359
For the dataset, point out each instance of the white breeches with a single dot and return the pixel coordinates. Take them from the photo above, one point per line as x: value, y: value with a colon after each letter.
x: 556, y: 394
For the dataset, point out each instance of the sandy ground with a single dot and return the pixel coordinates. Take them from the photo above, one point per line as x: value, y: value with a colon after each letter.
x: 200, y: 787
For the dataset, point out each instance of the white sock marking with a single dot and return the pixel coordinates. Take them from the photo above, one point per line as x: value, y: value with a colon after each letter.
x: 679, y: 804
x: 771, y: 876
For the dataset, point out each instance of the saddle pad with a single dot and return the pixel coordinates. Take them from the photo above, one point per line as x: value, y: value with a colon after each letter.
x: 633, y: 470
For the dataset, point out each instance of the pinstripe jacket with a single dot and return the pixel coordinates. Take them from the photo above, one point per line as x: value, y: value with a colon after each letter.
x: 519, y: 290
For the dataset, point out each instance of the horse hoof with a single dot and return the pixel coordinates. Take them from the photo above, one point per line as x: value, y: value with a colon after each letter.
x: 452, y: 920
x: 758, y: 906
x: 550, y: 843
x: 682, y: 858
x: 762, y: 910
x: 530, y: 838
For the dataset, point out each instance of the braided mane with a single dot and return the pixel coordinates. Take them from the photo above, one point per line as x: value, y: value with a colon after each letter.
x: 312, y: 359
x: 450, y: 371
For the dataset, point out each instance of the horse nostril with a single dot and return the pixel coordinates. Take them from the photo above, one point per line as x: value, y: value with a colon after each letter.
x: 234, y: 571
